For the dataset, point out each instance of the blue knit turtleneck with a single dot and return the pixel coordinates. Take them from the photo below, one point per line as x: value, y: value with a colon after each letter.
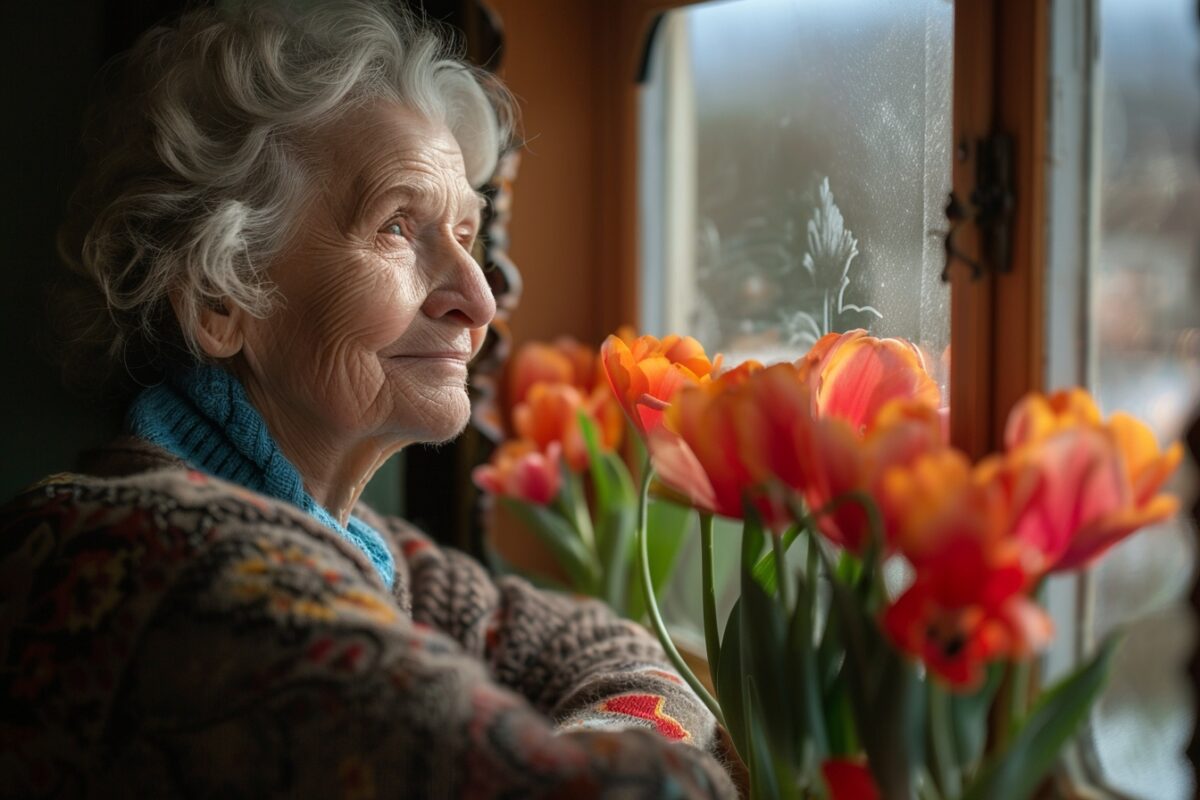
x: 203, y: 416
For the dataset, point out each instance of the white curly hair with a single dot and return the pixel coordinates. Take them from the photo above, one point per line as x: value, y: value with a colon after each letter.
x: 199, y: 159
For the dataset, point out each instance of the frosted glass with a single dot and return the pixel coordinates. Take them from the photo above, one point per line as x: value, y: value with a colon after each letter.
x: 1145, y: 350
x: 815, y: 147
x: 794, y: 165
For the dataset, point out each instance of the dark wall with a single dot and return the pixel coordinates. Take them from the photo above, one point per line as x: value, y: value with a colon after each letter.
x: 49, y: 52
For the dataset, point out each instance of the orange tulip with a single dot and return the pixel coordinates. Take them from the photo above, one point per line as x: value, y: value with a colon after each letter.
x: 550, y: 414
x: 519, y: 470
x: 936, y: 496
x: 1078, y: 493
x: 565, y: 361
x: 823, y: 460
x: 700, y: 450
x: 853, y: 376
x: 1079, y: 485
x: 849, y: 779
x: 646, y: 374
x: 1037, y: 416
x: 839, y: 462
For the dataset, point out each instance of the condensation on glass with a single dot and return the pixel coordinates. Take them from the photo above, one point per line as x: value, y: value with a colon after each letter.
x: 795, y: 164
x: 1145, y: 359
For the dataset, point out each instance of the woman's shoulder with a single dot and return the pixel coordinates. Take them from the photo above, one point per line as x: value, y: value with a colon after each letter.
x: 160, y: 520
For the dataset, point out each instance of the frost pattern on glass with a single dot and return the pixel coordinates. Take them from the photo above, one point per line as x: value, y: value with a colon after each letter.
x: 831, y: 250
x: 1145, y: 352
x: 820, y: 160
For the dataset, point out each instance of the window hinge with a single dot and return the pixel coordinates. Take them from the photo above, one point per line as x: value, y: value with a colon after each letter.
x: 990, y: 207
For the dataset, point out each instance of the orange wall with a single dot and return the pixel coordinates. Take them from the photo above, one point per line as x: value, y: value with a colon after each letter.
x: 548, y: 65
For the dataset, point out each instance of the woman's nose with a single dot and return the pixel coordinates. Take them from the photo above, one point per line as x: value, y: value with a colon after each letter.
x: 461, y: 292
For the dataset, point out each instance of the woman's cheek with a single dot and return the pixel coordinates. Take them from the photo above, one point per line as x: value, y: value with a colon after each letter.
x: 478, y: 336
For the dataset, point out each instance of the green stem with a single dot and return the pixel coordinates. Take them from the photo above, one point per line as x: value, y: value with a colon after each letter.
x: 1020, y: 677
x: 812, y: 571
x: 656, y: 620
x: 712, y: 635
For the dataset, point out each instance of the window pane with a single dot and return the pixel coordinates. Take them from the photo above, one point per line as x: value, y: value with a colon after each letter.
x: 1145, y: 351
x: 795, y: 167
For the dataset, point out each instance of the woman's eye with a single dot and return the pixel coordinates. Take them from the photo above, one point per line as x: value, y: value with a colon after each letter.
x: 394, y: 228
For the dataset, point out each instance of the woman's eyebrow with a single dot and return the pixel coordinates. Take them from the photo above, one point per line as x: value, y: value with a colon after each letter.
x: 471, y: 202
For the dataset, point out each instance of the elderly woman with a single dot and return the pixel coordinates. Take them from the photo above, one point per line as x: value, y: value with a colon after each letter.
x: 276, y: 228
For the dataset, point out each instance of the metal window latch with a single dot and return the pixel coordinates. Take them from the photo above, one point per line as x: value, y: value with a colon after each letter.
x: 990, y: 207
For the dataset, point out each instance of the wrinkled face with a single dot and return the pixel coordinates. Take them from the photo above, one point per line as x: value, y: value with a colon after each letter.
x: 382, y: 303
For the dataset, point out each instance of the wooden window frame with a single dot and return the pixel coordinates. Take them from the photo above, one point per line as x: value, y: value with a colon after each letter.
x: 1000, y: 81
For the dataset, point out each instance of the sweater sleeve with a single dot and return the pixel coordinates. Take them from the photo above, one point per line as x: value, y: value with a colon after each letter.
x: 572, y: 657
x: 273, y: 667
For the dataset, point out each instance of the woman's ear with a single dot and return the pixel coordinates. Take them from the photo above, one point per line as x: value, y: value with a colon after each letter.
x: 218, y: 328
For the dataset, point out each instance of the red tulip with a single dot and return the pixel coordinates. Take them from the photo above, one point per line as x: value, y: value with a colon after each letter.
x: 849, y: 779
x: 967, y: 607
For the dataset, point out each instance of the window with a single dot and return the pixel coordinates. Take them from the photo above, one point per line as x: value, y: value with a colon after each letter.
x: 794, y: 167
x: 794, y: 160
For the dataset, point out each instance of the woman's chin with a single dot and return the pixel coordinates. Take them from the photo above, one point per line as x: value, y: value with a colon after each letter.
x: 442, y: 416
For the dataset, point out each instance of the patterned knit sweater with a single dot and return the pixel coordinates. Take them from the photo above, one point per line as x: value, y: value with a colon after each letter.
x: 164, y: 633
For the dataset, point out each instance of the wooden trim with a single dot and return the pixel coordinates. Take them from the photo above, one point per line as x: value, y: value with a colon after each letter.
x: 971, y: 320
x: 997, y: 320
x: 1023, y: 65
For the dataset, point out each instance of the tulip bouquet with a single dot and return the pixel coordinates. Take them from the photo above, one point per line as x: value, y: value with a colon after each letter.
x: 563, y: 476
x: 880, y: 643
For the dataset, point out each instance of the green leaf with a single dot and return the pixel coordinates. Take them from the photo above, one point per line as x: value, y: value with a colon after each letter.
x: 839, y: 717
x: 616, y: 516
x: 765, y: 646
x: 601, y: 480
x: 900, y: 704
x: 557, y: 534
x: 806, y: 674
x: 667, y: 528
x: 764, y: 570
x: 764, y: 652
x: 883, y: 689
x: 765, y: 772
x: 969, y: 716
x: 1015, y: 772
x: 729, y: 681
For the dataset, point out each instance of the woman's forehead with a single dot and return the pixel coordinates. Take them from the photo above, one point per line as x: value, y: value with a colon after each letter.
x: 386, y: 148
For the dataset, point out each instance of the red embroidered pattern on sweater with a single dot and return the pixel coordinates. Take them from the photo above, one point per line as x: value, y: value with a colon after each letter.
x: 647, y: 707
